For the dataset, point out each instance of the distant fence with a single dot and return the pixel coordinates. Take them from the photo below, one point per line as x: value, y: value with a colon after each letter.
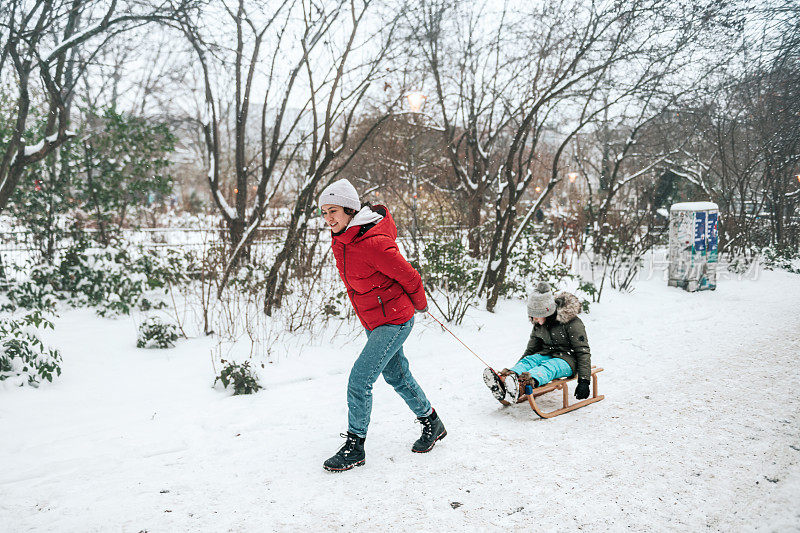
x: 18, y: 246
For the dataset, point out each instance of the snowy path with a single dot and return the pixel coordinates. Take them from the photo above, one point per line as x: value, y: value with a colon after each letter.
x: 700, y: 430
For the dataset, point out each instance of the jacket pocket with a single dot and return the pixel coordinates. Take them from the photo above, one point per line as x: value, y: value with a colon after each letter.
x: 383, y: 309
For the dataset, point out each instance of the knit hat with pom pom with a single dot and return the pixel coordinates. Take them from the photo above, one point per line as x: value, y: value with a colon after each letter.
x: 541, y: 303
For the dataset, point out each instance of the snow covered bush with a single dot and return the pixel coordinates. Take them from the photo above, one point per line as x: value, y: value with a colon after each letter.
x: 114, y: 280
x: 589, y: 289
x: 155, y: 333
x: 250, y: 278
x: 534, y: 260
x: 531, y: 261
x: 24, y: 359
x: 784, y: 258
x: 451, y: 277
x: 166, y: 267
x: 103, y: 279
x: 240, y: 377
x: 36, y: 292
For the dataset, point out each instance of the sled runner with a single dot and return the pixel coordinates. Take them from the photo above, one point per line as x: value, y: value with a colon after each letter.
x: 560, y: 384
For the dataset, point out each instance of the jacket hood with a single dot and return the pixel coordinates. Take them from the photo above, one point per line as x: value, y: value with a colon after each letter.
x: 384, y: 226
x: 365, y: 216
x: 567, y: 307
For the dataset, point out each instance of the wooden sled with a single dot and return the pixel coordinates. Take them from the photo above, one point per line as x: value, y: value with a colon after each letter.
x: 560, y: 384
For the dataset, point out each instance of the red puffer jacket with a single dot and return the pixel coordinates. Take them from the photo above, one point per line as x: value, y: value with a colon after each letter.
x: 383, y: 287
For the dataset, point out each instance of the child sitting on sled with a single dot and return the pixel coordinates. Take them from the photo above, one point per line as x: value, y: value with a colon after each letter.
x: 558, y: 348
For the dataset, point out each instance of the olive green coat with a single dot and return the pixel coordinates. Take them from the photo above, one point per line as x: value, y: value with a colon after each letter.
x: 565, y: 339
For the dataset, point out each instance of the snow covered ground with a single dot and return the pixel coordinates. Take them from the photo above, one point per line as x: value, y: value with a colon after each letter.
x: 700, y: 430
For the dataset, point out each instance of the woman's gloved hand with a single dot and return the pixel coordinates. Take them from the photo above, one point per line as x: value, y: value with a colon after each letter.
x: 421, y: 310
x: 582, y: 390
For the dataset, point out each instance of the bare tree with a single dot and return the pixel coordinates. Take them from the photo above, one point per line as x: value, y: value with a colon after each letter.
x: 744, y: 136
x: 310, y: 66
x: 525, y: 92
x: 474, y: 68
x: 335, y: 98
x: 399, y: 149
x: 224, y: 63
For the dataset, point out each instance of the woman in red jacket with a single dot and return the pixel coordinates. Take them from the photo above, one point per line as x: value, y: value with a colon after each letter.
x: 385, y: 291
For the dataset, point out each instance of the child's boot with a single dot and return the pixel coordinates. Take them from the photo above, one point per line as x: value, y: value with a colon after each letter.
x: 495, y: 384
x: 526, y: 380
x: 512, y: 388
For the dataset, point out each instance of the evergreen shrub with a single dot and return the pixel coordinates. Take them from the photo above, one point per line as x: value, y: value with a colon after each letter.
x: 781, y: 257
x: 113, y: 280
x: 239, y: 377
x: 531, y: 261
x: 24, y: 359
x: 155, y: 333
x: 451, y: 277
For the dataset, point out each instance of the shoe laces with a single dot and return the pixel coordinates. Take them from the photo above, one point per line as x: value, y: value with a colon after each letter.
x: 427, y: 426
x: 349, y: 445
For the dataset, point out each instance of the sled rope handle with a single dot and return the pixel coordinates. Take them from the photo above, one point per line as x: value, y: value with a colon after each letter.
x: 462, y: 342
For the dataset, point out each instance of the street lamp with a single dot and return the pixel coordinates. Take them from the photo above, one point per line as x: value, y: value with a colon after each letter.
x: 416, y: 101
x: 572, y: 176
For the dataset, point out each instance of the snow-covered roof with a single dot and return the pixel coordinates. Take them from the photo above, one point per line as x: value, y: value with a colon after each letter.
x: 693, y: 206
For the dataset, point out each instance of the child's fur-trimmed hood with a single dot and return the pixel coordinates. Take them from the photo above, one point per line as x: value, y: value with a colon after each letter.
x: 567, y: 307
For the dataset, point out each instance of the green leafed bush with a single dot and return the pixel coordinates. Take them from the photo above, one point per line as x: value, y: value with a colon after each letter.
x: 24, y: 359
x: 113, y: 280
x: 155, y: 333
x: 530, y: 262
x: 781, y: 257
x: 451, y: 277
x: 239, y: 377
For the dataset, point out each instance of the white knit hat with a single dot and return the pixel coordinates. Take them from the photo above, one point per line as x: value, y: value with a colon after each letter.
x: 541, y: 303
x: 340, y: 193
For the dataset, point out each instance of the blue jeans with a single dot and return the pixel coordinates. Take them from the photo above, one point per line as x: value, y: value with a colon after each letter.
x: 383, y: 354
x: 543, y: 368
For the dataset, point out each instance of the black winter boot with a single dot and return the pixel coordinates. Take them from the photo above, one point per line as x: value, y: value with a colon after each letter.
x: 349, y: 456
x: 432, y: 430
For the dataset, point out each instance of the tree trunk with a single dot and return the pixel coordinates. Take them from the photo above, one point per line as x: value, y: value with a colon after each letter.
x: 236, y: 230
x: 473, y: 225
x: 499, y: 274
x: 274, y: 290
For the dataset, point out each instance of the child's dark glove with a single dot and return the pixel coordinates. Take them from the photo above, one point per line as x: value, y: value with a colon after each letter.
x: 582, y: 390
